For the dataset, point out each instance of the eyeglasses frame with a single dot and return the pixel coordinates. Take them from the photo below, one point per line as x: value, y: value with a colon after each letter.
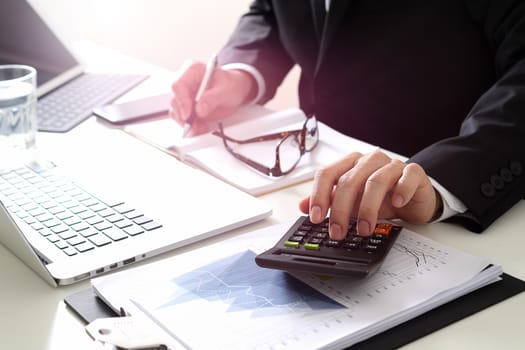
x: 276, y: 170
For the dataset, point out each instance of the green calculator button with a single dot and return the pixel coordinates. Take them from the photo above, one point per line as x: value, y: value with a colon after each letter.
x: 311, y: 246
x: 290, y: 244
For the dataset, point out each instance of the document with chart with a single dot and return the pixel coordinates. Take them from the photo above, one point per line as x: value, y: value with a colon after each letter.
x: 238, y: 305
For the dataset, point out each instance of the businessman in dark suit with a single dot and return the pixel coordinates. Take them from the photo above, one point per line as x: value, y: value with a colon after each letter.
x: 439, y: 81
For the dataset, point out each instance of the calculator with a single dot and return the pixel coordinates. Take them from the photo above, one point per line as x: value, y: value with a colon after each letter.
x: 307, y: 247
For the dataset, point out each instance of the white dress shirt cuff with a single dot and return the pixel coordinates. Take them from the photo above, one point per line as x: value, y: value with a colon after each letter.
x: 257, y: 76
x: 451, y: 204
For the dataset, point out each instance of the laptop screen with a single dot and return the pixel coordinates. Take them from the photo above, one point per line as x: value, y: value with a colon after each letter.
x: 26, y: 39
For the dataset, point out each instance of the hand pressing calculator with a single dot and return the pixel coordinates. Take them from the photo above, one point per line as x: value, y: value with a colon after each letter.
x: 308, y: 247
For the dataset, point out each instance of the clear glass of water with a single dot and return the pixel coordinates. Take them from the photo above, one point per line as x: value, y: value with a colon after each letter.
x: 18, y: 120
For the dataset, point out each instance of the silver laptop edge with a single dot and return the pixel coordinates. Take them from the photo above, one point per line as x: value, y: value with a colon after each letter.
x: 14, y: 240
x: 60, y: 80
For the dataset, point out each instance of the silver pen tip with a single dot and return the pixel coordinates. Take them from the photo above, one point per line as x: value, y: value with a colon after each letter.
x: 186, y: 130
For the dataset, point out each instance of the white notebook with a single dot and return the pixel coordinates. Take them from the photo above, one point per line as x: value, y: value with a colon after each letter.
x: 208, y: 152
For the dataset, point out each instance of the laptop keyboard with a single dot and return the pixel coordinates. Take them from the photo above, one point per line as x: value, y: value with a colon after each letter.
x: 74, y: 220
x: 64, y: 108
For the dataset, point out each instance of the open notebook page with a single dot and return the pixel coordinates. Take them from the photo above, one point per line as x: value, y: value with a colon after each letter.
x: 166, y: 134
x: 219, y: 162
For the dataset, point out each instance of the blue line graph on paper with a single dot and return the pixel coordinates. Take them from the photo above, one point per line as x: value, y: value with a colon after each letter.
x: 421, y: 257
x: 224, y: 304
x: 240, y: 283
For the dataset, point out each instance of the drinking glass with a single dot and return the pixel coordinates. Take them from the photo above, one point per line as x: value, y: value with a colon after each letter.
x: 18, y: 119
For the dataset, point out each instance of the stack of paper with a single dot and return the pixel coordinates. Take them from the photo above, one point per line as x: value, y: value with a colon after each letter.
x: 217, y: 297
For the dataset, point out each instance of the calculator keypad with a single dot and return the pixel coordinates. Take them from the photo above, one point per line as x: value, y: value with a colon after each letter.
x: 308, y: 247
x: 315, y: 237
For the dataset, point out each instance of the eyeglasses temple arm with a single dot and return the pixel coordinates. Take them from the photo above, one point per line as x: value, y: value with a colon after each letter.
x: 263, y: 138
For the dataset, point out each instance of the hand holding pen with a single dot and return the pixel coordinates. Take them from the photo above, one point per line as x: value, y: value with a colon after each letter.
x: 204, y: 94
x: 210, y: 68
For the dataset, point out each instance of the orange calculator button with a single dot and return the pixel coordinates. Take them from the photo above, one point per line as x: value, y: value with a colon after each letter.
x: 383, y: 229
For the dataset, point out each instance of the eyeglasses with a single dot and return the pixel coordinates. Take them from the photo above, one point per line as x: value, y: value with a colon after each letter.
x: 292, y: 145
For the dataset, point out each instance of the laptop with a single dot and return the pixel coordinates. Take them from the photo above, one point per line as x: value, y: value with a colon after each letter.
x: 66, y: 235
x: 67, y: 94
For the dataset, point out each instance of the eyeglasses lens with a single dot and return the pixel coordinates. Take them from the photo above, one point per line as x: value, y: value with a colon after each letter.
x: 289, y: 152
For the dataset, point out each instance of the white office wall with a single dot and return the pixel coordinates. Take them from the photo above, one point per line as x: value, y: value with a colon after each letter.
x: 164, y: 32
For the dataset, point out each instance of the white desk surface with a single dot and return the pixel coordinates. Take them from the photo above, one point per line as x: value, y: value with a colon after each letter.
x: 34, y: 316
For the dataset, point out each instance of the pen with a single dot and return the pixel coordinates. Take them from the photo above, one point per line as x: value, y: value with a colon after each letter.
x: 210, y: 67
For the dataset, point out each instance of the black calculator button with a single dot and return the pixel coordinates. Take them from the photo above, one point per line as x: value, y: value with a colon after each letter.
x: 375, y: 241
x: 371, y: 248
x: 333, y: 243
x: 320, y: 235
x: 322, y: 229
x: 316, y: 240
x: 351, y: 245
x: 381, y: 237
x: 356, y: 239
x: 296, y: 239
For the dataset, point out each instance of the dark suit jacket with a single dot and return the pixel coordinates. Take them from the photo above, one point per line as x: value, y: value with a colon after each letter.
x: 439, y: 81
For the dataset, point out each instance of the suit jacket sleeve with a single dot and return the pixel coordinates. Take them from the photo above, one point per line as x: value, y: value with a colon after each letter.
x: 255, y: 41
x: 483, y: 165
